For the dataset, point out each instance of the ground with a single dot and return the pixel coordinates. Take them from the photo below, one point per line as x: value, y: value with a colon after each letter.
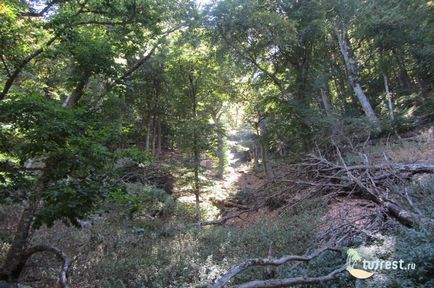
x: 282, y: 217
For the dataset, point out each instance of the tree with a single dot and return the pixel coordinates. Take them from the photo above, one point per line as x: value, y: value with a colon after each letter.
x: 70, y: 146
x: 351, y: 67
x: 92, y: 32
x: 188, y: 72
x: 275, y: 42
x: 70, y: 174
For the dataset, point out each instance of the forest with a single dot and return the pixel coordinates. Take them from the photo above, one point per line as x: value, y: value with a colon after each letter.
x: 216, y: 143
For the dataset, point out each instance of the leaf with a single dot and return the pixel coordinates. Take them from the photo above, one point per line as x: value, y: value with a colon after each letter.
x: 354, y: 255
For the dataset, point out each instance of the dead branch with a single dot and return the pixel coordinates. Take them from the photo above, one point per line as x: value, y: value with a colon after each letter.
x: 369, y: 179
x: 273, y: 262
x: 293, y: 281
x: 224, y: 219
x: 228, y: 203
x: 63, y: 281
x: 403, y: 216
x: 220, y: 221
x: 400, y: 167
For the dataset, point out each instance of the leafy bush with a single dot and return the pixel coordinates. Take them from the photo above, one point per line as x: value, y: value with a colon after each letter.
x: 144, y: 200
x: 195, y: 257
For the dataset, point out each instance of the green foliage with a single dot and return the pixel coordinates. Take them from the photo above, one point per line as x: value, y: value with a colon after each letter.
x: 140, y: 156
x: 71, y: 146
x: 414, y: 246
x: 423, y: 189
x: 91, y: 52
x: 196, y: 257
x: 144, y: 200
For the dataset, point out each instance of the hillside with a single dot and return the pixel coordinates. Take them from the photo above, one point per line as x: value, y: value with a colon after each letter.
x: 216, y: 143
x: 246, y: 215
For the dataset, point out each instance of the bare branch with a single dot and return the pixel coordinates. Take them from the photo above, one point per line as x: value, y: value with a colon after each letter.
x: 63, y: 281
x: 293, y: 281
x: 269, y: 261
x: 223, y: 220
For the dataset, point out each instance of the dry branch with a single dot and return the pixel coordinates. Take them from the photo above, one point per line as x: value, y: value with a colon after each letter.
x: 220, y: 221
x: 63, y: 281
x: 269, y: 261
x: 224, y: 219
x: 228, y: 203
x: 399, y: 167
x: 293, y: 281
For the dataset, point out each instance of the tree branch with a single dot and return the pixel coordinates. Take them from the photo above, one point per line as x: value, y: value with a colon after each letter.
x: 63, y: 281
x: 273, y: 262
x: 136, y: 65
x: 11, y: 79
x: 103, y: 23
x: 5, y: 65
x: 293, y: 281
x: 21, y: 66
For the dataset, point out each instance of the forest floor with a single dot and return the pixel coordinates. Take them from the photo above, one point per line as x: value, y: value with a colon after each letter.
x: 235, y: 192
x: 288, y: 215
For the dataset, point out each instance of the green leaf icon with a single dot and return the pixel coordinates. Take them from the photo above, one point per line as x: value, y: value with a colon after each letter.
x: 354, y: 255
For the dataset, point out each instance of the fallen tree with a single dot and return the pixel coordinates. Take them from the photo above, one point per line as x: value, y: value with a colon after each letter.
x: 293, y: 281
x: 318, y: 176
x: 237, y: 269
x: 375, y: 182
x: 66, y: 262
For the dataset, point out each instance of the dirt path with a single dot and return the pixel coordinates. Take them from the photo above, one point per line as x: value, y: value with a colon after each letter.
x: 239, y: 176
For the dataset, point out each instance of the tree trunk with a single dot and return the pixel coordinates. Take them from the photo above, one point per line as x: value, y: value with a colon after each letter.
x: 351, y: 67
x: 148, y: 133
x: 220, y: 152
x: 328, y: 108
x: 388, y: 97
x: 13, y: 264
x: 75, y: 96
x: 267, y: 167
x: 257, y: 145
x: 158, y: 136
x: 154, y: 134
x: 196, y: 150
x: 421, y: 85
x: 220, y: 146
x: 256, y: 154
x: 404, y: 78
x: 12, y: 267
x: 261, y: 129
x: 196, y: 184
x: 326, y: 102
